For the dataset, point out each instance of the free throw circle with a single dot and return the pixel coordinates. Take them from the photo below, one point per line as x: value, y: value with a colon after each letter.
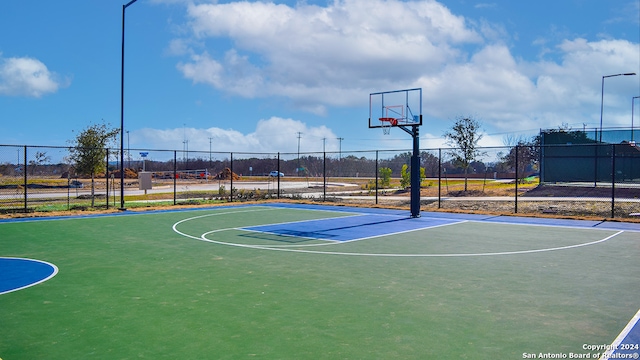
x: 19, y: 273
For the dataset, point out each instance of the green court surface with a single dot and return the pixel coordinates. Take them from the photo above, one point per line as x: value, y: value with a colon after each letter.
x: 312, y: 282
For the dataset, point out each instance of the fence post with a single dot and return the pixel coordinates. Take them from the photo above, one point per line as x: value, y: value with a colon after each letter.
x: 175, y: 174
x: 231, y: 177
x: 68, y: 190
x: 595, y: 159
x: 541, y: 172
x: 106, y: 180
x: 439, y: 176
x: 324, y: 176
x: 25, y: 178
x: 278, y: 169
x: 376, y: 185
x: 613, y: 180
x: 517, y: 179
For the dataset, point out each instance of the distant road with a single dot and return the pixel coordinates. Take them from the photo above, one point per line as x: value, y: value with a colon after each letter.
x: 212, y: 186
x: 289, y: 187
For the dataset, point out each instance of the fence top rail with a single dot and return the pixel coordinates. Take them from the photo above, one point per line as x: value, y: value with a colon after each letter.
x: 275, y: 154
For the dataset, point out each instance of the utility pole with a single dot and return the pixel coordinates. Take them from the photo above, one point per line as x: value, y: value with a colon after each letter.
x: 185, y: 145
x: 210, y: 139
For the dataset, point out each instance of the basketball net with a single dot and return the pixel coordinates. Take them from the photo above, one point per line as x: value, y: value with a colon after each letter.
x: 386, y: 130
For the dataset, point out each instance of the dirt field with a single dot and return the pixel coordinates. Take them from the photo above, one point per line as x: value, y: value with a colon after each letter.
x: 590, y: 203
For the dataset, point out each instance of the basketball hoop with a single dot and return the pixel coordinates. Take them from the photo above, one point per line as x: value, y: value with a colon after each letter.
x: 403, y: 109
x: 386, y: 123
x: 390, y: 120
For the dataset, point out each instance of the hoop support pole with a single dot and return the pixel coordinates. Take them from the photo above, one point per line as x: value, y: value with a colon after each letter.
x: 415, y: 170
x: 415, y: 174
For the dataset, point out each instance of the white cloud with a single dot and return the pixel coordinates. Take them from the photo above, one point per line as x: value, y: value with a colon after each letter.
x: 270, y: 135
x: 178, y: 47
x: 323, y: 56
x: 334, y: 55
x: 485, y: 5
x: 512, y: 93
x: 26, y: 77
x: 203, y: 69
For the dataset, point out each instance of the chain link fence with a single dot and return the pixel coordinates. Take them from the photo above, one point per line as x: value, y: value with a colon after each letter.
x: 601, y: 180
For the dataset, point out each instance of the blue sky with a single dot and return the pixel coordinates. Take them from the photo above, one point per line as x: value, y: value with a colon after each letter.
x: 248, y: 76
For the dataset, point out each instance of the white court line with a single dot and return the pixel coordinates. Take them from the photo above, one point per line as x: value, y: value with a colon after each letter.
x: 298, y: 221
x: 329, y: 242
x: 488, y: 219
x: 400, y: 217
x: 265, y: 208
x: 436, y: 255
x: 408, y: 231
x: 616, y: 343
x: 175, y: 226
x: 203, y: 237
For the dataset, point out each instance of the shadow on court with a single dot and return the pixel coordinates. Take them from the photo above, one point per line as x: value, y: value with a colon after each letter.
x: 347, y: 228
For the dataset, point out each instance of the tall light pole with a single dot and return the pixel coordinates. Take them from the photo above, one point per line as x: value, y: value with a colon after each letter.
x: 632, y: 111
x: 602, y: 97
x: 124, y: 7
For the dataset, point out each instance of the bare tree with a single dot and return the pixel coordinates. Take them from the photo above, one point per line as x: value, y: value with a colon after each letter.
x: 40, y: 158
x: 523, y: 154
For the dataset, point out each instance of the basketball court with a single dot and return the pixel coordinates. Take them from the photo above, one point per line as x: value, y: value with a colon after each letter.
x: 296, y: 281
